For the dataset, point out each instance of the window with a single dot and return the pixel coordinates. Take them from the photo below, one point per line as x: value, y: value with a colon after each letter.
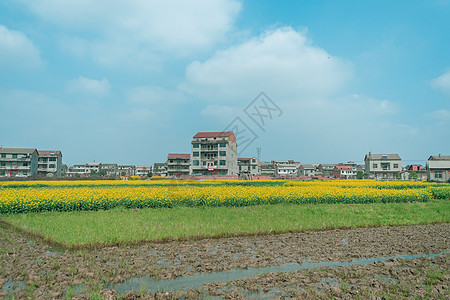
x: 52, y: 159
x: 25, y: 164
x: 215, y: 162
x: 375, y: 166
x: 223, y: 172
x: 204, y: 163
x: 396, y: 166
x: 195, y: 162
x: 253, y: 167
x: 384, y: 156
x: 51, y: 166
x: 2, y: 164
x: 3, y: 155
x: 437, y: 174
x: 223, y: 145
x: 195, y: 153
x: 195, y: 145
x: 204, y: 146
x: 223, y: 153
x: 14, y: 156
x: 222, y: 162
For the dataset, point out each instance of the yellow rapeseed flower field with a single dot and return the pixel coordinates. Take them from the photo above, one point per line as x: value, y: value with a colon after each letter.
x: 36, y: 196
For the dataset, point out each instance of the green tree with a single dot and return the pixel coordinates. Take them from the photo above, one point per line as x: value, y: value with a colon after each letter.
x: 360, y: 175
x: 413, y: 175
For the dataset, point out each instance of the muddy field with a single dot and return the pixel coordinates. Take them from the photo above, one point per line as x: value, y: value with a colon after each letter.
x: 394, y: 262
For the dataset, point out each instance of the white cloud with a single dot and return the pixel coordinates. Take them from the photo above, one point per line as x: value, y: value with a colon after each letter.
x: 442, y: 83
x: 152, y: 103
x: 92, y: 87
x: 112, y: 30
x: 441, y: 115
x: 153, y: 95
x: 221, y: 112
x: 283, y: 63
x: 17, y: 50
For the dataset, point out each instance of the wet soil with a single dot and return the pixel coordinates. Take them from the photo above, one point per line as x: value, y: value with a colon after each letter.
x: 33, y: 269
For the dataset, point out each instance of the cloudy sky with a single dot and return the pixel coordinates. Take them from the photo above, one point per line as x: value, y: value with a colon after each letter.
x: 130, y: 81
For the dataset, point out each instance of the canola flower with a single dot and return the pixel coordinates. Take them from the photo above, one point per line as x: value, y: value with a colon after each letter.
x: 96, y: 195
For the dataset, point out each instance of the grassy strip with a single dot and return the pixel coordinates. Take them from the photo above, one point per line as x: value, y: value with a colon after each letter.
x: 124, y: 226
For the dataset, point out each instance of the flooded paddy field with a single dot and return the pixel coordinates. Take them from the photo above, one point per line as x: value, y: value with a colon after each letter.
x: 395, y: 262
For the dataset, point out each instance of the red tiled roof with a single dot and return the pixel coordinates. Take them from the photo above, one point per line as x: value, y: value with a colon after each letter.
x: 343, y: 167
x: 49, y: 152
x: 178, y: 155
x: 244, y: 158
x: 213, y: 134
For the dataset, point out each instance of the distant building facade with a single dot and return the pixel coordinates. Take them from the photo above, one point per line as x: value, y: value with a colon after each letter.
x: 344, y: 172
x: 160, y: 169
x: 439, y: 167
x: 308, y: 170
x: 266, y: 168
x: 110, y: 170
x: 126, y: 170
x: 383, y: 166
x: 50, y: 162
x: 284, y: 168
x: 214, y: 153
x: 178, y: 165
x: 248, y: 167
x: 143, y: 171
x: 18, y: 162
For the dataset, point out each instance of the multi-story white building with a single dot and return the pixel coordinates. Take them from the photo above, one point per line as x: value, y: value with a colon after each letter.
x: 344, y: 172
x: 110, y: 170
x: 382, y: 166
x: 50, y: 162
x: 76, y: 170
x: 178, y: 165
x: 18, y: 162
x: 285, y: 168
x: 143, y: 171
x: 266, y: 168
x: 439, y: 167
x: 126, y: 170
x: 214, y: 153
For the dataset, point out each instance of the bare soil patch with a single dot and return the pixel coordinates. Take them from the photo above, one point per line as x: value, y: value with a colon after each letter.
x: 31, y: 268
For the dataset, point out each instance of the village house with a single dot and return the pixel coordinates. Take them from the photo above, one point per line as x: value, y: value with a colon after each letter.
x: 178, y: 165
x: 383, y: 166
x: 214, y: 153
x: 439, y: 167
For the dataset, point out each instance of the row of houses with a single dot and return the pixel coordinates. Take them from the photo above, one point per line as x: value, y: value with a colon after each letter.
x: 25, y: 162
x: 214, y: 154
x: 108, y: 170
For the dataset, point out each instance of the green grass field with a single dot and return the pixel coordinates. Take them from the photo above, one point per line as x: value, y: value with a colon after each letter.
x: 120, y: 226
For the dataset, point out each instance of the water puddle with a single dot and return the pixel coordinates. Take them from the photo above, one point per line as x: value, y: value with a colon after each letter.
x: 197, y: 280
x: 13, y: 286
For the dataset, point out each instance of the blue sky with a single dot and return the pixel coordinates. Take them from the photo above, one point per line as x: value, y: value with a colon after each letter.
x: 130, y: 81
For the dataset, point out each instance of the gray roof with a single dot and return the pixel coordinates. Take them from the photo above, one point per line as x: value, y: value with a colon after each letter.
x: 309, y: 166
x: 439, y: 157
x: 382, y: 156
x: 17, y: 150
